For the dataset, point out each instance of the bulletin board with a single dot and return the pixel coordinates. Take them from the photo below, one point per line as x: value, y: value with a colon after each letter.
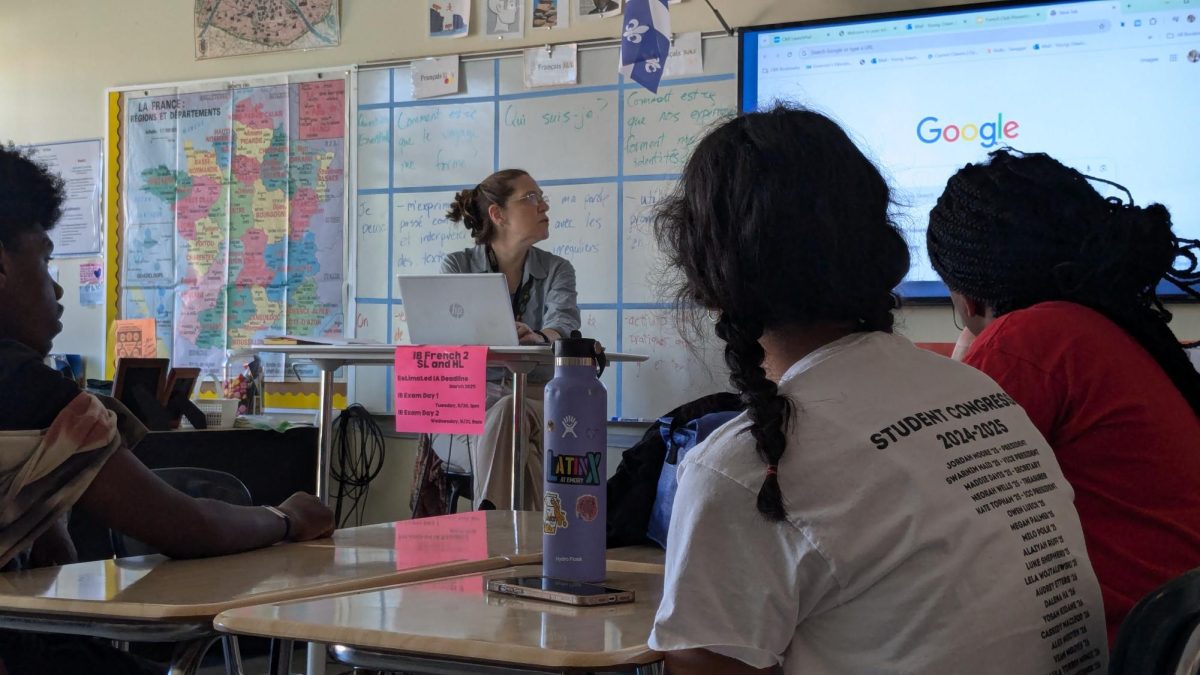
x: 604, y: 151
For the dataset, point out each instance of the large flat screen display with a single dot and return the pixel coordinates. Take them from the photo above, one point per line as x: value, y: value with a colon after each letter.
x: 1111, y: 88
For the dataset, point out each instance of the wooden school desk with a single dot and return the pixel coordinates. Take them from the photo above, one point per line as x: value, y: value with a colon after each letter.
x: 328, y: 358
x: 153, y: 599
x: 645, y: 554
x: 456, y: 625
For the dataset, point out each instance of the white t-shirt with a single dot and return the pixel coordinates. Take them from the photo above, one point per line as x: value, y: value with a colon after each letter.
x: 929, y: 530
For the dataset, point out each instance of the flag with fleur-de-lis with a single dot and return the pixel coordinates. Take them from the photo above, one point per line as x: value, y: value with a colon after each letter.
x: 645, y: 41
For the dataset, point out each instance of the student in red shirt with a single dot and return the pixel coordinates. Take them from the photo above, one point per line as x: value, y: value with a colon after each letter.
x: 1058, y: 283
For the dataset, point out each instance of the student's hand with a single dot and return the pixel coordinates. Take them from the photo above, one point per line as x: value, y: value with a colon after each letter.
x: 310, y: 519
x: 962, y: 345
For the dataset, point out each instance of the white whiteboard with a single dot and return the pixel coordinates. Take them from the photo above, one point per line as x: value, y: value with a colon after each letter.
x: 604, y: 151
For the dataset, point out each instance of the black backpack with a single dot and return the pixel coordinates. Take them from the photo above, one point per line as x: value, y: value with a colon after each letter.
x: 632, y: 489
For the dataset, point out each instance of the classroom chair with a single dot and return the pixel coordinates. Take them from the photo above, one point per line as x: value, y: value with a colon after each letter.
x: 194, y: 482
x: 1161, y: 634
x: 205, y: 484
x: 461, y: 483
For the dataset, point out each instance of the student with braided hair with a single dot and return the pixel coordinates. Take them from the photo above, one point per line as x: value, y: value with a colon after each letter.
x: 877, y: 508
x: 1058, y: 283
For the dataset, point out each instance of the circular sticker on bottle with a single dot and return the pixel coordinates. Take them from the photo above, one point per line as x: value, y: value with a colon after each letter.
x: 587, y: 507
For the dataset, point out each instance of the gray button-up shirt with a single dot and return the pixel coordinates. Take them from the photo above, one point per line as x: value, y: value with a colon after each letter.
x: 553, y: 302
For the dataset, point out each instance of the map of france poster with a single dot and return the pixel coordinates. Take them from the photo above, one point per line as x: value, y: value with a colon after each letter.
x: 233, y: 210
x: 236, y: 27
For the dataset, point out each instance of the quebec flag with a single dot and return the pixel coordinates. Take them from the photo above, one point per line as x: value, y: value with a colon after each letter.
x: 645, y: 41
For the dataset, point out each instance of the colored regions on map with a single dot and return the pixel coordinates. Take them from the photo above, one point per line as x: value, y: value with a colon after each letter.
x: 152, y: 303
x: 234, y: 205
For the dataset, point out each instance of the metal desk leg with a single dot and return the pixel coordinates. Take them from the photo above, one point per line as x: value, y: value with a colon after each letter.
x: 315, y: 664
x: 280, y: 660
x: 518, y: 443
x: 187, y: 656
x: 233, y: 655
x: 520, y: 371
x: 316, y: 651
x: 325, y: 430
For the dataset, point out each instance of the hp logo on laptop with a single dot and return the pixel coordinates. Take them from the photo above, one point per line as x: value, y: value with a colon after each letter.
x: 456, y: 310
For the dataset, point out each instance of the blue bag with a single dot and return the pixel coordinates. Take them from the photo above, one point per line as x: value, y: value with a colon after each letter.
x: 678, y: 441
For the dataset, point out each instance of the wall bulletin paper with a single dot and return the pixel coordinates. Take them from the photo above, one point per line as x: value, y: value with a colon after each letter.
x: 79, y: 165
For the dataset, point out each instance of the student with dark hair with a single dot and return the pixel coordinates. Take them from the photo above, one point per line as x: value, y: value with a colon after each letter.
x: 507, y: 214
x: 67, y: 449
x: 866, y: 513
x: 1058, y: 283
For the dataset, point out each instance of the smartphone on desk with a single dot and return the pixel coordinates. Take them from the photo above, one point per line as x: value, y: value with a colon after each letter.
x: 558, y: 590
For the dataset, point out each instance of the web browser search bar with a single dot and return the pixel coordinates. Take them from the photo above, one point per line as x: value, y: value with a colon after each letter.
x: 965, y: 38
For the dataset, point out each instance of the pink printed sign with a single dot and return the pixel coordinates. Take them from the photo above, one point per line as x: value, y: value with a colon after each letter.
x: 441, y: 390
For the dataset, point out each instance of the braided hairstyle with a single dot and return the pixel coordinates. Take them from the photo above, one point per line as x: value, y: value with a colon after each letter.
x: 1024, y: 228
x: 470, y: 206
x: 779, y: 221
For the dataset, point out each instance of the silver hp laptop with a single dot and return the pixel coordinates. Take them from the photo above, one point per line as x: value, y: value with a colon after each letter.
x: 458, y: 309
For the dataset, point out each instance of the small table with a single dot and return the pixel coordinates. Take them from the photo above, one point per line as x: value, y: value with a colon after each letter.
x: 456, y: 625
x: 154, y: 599
x: 328, y: 358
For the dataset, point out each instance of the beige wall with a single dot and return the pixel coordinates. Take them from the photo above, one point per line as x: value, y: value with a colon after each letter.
x: 57, y: 57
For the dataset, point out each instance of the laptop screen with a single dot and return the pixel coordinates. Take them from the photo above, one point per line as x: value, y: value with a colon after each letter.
x: 458, y: 309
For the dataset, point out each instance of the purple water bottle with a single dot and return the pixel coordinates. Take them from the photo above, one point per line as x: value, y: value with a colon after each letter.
x: 576, y: 441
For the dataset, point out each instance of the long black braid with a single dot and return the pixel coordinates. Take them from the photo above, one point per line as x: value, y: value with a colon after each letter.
x: 780, y: 221
x: 769, y: 412
x: 1024, y: 228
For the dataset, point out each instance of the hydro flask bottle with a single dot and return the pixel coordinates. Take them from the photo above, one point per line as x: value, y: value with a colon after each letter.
x: 576, y: 442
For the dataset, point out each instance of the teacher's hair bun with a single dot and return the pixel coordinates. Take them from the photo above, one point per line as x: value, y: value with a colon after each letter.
x: 464, y: 210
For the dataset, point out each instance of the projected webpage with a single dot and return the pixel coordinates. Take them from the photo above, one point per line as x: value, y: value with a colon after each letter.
x: 1111, y: 88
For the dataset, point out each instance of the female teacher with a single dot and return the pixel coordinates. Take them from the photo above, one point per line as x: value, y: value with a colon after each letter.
x: 506, y: 214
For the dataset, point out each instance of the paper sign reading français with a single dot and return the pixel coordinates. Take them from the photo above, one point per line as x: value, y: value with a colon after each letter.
x: 552, y: 67
x: 440, y: 390
x: 435, y: 76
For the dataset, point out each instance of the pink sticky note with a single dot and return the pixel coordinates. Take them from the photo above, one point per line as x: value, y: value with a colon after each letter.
x: 441, y: 390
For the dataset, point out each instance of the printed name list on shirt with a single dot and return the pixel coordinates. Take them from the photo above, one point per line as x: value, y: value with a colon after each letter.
x: 1001, y: 476
x: 440, y: 390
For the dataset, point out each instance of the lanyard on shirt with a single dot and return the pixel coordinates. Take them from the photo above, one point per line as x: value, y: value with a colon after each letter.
x: 520, y: 299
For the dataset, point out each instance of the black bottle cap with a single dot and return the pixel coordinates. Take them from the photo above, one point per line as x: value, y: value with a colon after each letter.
x: 579, y: 347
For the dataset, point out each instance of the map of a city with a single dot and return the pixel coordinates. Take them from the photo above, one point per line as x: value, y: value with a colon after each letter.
x: 234, y: 208
x: 234, y: 27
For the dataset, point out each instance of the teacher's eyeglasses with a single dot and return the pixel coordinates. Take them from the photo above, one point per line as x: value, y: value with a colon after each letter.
x: 533, y: 198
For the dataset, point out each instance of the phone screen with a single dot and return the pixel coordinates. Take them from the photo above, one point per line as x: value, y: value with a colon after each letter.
x: 560, y: 586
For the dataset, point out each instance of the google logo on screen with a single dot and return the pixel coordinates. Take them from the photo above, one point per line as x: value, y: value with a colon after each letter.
x: 929, y: 130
